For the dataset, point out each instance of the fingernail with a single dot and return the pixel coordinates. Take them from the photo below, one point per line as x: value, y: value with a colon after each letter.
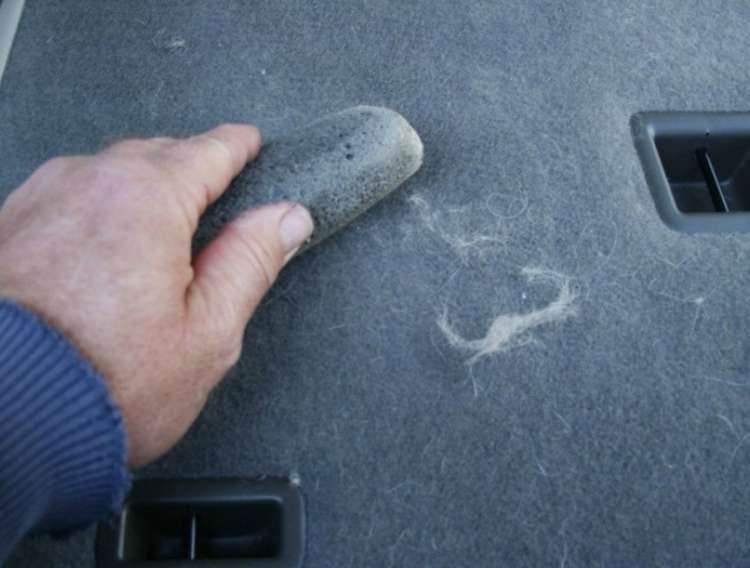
x: 295, y: 227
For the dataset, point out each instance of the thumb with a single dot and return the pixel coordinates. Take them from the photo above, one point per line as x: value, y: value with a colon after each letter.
x: 236, y: 269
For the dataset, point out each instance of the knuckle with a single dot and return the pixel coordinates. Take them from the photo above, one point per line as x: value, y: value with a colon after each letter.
x: 218, y: 145
x: 162, y: 141
x: 227, y: 127
x: 55, y: 166
x: 225, y: 130
x: 181, y: 155
x: 238, y: 129
x: 127, y: 171
x: 232, y: 352
x: 183, y: 150
x: 130, y: 146
x: 117, y: 174
x: 226, y: 342
x: 219, y: 335
x: 259, y: 258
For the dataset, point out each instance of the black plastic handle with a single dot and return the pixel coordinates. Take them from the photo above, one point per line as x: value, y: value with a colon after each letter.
x: 206, y: 524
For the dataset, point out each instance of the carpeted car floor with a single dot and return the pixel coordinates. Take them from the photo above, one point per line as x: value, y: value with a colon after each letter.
x: 603, y: 421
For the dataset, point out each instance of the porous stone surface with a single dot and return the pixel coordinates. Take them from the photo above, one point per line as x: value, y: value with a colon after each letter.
x: 338, y: 167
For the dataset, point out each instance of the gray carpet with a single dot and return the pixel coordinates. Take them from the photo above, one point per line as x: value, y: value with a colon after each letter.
x: 619, y: 436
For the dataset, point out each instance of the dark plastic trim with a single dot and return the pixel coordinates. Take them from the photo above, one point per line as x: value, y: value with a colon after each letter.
x: 648, y: 126
x: 170, y: 495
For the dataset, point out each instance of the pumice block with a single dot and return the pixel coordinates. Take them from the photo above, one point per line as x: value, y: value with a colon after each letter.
x: 337, y: 167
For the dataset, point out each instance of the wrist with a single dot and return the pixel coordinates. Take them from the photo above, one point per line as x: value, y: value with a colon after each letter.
x: 62, y: 442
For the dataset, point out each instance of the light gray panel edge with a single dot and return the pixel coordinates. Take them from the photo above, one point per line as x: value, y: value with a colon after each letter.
x: 10, y: 15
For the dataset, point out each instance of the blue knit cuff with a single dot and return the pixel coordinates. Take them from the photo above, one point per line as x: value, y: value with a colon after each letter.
x: 63, y: 447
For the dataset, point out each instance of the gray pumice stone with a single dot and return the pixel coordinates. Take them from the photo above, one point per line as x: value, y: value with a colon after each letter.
x: 337, y: 167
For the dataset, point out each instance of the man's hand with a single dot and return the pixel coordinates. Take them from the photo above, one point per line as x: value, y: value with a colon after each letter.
x: 100, y: 246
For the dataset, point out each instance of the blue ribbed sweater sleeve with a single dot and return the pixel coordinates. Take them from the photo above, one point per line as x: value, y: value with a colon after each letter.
x: 62, y: 441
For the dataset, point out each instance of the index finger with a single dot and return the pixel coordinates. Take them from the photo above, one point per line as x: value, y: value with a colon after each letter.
x: 209, y: 162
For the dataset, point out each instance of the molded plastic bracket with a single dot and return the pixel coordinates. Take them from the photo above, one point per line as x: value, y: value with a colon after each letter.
x: 206, y: 524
